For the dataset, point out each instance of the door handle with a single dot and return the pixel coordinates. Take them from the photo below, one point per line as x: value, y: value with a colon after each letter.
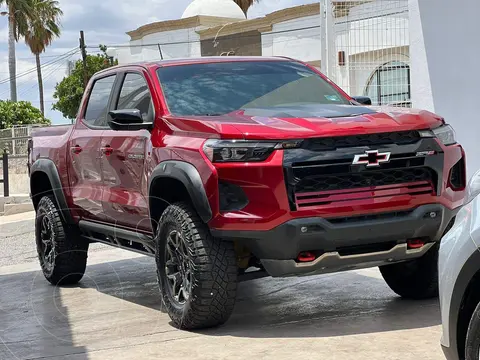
x: 77, y: 149
x: 107, y: 150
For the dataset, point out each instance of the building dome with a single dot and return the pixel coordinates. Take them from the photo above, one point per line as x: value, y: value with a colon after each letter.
x: 218, y: 8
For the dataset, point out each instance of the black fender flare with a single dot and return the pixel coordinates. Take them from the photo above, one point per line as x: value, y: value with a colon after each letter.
x: 466, y: 275
x: 49, y: 168
x: 189, y: 176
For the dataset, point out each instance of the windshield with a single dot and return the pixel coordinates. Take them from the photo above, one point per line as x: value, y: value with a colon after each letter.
x: 220, y: 88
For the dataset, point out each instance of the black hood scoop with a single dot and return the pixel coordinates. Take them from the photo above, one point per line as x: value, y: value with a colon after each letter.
x: 310, y: 111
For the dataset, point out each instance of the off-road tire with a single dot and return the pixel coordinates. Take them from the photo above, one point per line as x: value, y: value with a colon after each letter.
x: 416, y: 279
x: 212, y: 265
x: 70, y: 255
x: 472, y: 344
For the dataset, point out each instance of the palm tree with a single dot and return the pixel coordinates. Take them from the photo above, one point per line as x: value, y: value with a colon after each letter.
x: 245, y: 4
x: 40, y: 33
x: 19, y: 12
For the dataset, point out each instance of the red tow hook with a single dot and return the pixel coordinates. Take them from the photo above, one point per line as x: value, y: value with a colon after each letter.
x: 415, y: 243
x: 306, y: 256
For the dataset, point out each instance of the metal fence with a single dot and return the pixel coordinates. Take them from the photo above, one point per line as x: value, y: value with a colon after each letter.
x: 15, y: 140
x: 5, y: 180
x: 367, y: 48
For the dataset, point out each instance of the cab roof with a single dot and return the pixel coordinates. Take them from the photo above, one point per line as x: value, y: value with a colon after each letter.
x: 198, y: 60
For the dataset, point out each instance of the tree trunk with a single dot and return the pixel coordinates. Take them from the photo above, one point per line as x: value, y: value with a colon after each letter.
x: 12, y: 65
x: 40, y: 83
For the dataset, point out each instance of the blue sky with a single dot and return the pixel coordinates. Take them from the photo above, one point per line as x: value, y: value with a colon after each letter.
x: 104, y: 22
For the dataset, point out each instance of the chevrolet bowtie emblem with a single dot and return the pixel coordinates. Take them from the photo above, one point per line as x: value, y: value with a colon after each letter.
x: 371, y: 158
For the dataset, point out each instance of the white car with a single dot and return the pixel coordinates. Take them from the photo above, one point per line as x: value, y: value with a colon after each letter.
x: 459, y: 277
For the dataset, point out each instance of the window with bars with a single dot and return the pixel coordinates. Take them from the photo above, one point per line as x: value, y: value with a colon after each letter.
x: 390, y: 85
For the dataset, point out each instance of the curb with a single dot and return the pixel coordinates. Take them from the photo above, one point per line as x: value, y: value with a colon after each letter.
x: 12, y: 209
x: 15, y: 204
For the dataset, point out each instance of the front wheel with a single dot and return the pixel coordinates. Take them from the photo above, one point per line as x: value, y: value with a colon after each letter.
x: 197, y: 273
x: 416, y: 279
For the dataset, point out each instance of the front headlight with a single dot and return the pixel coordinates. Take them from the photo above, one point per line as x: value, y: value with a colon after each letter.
x: 243, y: 150
x: 444, y: 133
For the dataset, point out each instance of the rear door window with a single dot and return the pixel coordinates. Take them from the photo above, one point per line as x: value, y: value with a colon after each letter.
x: 97, y: 107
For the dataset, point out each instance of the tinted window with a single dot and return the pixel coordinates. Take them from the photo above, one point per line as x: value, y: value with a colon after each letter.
x: 136, y: 95
x: 97, y: 107
x: 219, y: 88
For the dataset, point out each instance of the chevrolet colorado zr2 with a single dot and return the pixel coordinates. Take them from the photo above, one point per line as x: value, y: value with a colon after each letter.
x: 218, y: 166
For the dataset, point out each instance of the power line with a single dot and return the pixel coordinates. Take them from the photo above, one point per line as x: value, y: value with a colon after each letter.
x: 43, y: 57
x: 27, y: 72
x: 32, y: 70
x: 47, y: 75
x: 44, y: 66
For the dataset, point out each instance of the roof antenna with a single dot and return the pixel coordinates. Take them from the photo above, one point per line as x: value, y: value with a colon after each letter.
x: 160, y: 51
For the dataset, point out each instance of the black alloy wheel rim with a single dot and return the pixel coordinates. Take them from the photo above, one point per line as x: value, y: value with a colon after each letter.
x: 47, y: 243
x: 178, y: 268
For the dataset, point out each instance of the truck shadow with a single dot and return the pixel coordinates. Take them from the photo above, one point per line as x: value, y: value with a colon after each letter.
x: 37, y: 319
x: 318, y: 306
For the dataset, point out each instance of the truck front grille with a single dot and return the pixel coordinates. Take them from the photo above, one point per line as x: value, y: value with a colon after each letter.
x: 320, y: 198
x: 332, y: 143
x: 335, y: 182
x: 330, y: 183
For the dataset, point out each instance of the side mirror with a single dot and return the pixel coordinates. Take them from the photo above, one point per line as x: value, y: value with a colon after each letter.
x: 127, y: 119
x: 473, y: 187
x: 363, y: 100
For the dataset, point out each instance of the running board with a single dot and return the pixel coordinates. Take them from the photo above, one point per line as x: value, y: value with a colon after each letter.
x: 118, y: 237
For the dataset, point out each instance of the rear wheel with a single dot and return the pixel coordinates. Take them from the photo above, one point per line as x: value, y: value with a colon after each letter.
x: 416, y: 279
x: 62, y: 254
x: 197, y: 273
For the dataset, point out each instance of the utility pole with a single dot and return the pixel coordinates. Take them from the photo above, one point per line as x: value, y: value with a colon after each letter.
x: 83, y: 49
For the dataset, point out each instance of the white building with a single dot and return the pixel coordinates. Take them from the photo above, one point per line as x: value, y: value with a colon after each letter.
x: 369, y: 44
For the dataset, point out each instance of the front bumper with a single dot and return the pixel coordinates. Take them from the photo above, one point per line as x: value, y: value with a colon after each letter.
x: 268, y: 185
x: 344, y: 244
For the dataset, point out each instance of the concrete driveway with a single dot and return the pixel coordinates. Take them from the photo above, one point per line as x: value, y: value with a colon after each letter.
x: 114, y: 314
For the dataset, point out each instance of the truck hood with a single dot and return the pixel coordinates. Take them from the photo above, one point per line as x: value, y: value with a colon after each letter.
x: 304, y: 121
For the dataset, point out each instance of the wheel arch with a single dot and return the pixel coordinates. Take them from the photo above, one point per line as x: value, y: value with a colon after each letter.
x: 172, y: 181
x: 44, y: 178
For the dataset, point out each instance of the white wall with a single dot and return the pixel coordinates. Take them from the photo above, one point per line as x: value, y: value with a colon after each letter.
x: 302, y: 44
x: 444, y: 60
x: 186, y: 43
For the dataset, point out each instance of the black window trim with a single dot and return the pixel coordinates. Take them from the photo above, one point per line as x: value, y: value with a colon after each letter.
x: 82, y: 118
x: 117, y: 90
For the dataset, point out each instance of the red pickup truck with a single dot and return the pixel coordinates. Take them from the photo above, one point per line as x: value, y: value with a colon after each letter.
x: 220, y: 166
